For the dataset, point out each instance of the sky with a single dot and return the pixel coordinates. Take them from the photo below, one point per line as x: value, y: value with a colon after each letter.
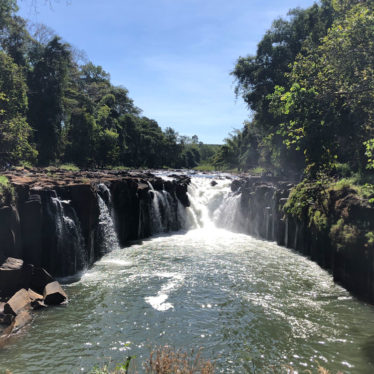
x: 174, y: 56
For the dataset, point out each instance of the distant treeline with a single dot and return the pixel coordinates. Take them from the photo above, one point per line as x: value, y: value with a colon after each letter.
x: 310, y: 88
x: 54, y: 108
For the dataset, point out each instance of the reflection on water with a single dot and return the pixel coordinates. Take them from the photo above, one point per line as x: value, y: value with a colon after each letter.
x: 249, y: 303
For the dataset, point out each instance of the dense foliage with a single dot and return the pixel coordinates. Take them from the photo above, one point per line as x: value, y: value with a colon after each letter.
x: 310, y: 87
x: 55, y: 110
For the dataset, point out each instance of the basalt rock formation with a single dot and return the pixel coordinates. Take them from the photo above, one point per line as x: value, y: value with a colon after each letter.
x: 338, y: 233
x: 54, y: 220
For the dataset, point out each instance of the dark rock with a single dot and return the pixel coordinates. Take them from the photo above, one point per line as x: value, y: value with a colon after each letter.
x: 54, y: 294
x: 38, y: 304
x: 10, y: 232
x: 6, y: 319
x: 11, y: 277
x: 32, y: 229
x: 14, y: 275
x: 213, y: 183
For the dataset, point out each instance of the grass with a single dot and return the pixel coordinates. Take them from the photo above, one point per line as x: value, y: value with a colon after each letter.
x: 164, y: 360
x: 204, y: 167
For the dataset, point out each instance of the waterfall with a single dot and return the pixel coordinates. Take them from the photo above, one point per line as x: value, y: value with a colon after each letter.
x: 213, y: 205
x: 166, y: 211
x: 106, y: 224
x: 68, y: 242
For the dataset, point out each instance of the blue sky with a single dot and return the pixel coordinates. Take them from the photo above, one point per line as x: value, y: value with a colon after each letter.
x: 174, y: 56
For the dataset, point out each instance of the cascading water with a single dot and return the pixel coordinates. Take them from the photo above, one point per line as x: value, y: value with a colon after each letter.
x: 213, y: 204
x: 69, y: 243
x: 252, y: 305
x: 166, y: 211
x: 109, y: 238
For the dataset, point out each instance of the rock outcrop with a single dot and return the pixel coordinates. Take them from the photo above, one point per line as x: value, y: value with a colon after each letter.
x: 54, y: 220
x: 339, y: 235
x: 16, y: 308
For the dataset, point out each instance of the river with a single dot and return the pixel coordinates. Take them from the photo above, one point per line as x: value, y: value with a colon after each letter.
x: 250, y: 304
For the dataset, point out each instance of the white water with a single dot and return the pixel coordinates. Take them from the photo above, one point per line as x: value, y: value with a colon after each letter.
x: 212, y: 206
x: 253, y: 306
x: 106, y: 222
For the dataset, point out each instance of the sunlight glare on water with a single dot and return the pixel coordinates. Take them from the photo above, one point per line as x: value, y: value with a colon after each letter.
x: 249, y: 303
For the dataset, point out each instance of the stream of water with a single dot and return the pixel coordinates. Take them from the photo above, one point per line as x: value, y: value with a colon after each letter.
x: 249, y: 304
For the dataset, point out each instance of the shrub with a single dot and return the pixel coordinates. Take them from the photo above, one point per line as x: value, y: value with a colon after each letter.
x: 6, y: 191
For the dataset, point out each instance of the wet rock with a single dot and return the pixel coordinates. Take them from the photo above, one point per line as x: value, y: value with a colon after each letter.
x: 54, y: 294
x: 21, y: 320
x: 19, y: 301
x: 6, y: 319
x: 38, y: 304
x: 213, y: 183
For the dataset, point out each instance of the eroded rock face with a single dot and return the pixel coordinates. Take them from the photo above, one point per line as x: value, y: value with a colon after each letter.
x: 342, y: 246
x: 55, y: 221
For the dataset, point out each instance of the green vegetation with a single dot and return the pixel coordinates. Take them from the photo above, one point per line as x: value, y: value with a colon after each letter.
x: 164, y: 360
x: 6, y: 191
x: 310, y: 87
x: 55, y: 110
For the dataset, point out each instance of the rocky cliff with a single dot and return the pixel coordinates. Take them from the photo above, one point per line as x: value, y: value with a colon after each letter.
x: 54, y: 219
x: 334, y: 227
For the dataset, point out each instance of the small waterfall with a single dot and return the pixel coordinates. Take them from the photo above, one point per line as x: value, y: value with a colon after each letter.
x: 68, y: 240
x: 166, y: 211
x: 106, y: 223
x: 213, y: 204
x: 156, y: 218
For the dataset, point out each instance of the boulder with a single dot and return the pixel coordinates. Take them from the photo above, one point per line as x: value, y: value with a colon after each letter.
x: 11, y: 276
x: 21, y: 320
x: 14, y: 275
x: 54, y: 294
x: 19, y: 301
x: 38, y: 278
x: 6, y: 319
x: 38, y: 304
x: 213, y: 183
x: 34, y: 296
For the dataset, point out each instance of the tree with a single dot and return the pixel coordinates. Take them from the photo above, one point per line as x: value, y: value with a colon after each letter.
x: 328, y: 113
x: 47, y: 84
x: 15, y: 132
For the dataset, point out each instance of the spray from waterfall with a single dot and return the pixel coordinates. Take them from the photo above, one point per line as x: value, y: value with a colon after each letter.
x: 213, y: 204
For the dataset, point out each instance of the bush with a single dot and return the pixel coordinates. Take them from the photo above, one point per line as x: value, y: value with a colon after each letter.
x: 6, y: 191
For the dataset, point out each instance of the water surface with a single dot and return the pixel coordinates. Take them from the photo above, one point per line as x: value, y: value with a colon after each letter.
x: 249, y: 303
